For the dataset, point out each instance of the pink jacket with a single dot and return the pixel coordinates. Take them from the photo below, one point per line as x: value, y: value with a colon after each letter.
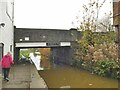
x: 7, y: 61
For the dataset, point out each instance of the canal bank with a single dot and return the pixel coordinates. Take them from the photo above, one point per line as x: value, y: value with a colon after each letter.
x: 36, y: 80
x: 68, y: 77
x: 24, y: 76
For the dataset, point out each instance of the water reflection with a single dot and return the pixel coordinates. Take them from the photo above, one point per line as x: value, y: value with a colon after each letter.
x: 65, y: 76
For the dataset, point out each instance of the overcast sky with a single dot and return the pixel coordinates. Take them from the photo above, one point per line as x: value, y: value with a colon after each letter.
x: 53, y: 14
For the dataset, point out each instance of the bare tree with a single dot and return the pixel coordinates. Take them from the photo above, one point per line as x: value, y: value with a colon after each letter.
x: 105, y: 23
x: 89, y: 20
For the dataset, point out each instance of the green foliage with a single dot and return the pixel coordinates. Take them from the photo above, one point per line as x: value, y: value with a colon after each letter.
x: 25, y: 53
x: 93, y: 38
x: 106, y: 68
x: 86, y: 38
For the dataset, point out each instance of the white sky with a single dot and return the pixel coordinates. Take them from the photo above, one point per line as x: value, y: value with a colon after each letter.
x: 53, y: 14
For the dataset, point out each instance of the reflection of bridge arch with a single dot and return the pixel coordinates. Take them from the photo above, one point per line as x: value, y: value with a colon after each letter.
x: 60, y: 41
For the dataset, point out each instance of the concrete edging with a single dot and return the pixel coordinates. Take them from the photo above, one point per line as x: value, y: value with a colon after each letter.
x: 36, y: 80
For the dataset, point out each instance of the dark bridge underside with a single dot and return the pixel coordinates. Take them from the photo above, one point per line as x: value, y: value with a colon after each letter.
x: 59, y: 54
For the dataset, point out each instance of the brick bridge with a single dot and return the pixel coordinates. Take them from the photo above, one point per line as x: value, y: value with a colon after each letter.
x: 61, y: 42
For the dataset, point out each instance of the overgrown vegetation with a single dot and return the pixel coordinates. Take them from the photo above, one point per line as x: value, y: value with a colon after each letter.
x: 98, y: 55
x: 96, y: 51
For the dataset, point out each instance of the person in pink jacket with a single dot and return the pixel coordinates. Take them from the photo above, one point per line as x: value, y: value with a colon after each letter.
x: 6, y: 65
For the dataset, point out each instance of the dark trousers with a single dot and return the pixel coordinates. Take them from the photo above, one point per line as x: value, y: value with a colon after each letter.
x: 6, y: 72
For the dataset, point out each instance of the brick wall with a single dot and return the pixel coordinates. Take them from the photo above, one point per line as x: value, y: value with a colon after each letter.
x: 116, y: 18
x: 116, y: 12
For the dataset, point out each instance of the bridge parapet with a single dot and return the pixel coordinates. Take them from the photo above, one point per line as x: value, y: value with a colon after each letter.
x: 43, y: 35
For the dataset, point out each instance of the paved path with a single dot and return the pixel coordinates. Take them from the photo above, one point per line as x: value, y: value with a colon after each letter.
x: 24, y: 76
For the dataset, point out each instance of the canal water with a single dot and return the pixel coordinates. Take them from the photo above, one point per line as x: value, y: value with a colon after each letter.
x: 65, y: 76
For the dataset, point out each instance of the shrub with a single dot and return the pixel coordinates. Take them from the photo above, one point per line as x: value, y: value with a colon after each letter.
x: 107, y: 68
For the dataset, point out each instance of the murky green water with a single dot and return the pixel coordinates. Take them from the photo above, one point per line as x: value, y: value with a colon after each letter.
x: 74, y: 78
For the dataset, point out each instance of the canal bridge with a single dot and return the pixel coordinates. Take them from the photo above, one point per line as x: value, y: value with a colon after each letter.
x: 60, y: 41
